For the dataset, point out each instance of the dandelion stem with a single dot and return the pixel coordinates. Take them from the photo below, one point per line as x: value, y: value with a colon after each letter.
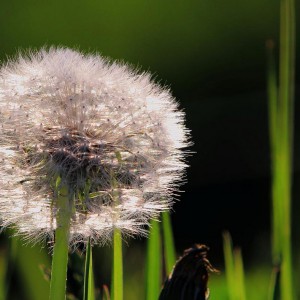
x: 117, y: 281
x: 88, y: 289
x: 169, y: 247
x: 60, y: 250
x: 154, y: 266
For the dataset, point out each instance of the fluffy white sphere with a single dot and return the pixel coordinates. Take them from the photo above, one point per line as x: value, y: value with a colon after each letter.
x: 111, y: 135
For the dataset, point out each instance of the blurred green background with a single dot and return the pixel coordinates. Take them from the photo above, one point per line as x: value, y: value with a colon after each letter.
x: 212, y: 56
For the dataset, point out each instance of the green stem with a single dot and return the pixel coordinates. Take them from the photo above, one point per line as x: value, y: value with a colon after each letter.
x: 274, y: 131
x: 286, y: 103
x: 153, y: 285
x: 229, y: 266
x: 60, y: 249
x: 239, y: 271
x: 169, y: 248
x: 88, y: 288
x: 117, y: 281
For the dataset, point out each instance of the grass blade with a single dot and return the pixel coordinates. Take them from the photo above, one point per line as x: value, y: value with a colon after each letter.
x: 240, y: 277
x: 229, y: 266
x: 153, y: 276
x: 281, y: 112
x: 117, y: 280
x: 88, y: 289
x: 275, y: 154
x: 234, y: 270
x: 168, y: 242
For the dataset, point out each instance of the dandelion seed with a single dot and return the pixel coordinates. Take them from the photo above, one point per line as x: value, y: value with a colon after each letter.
x: 113, y: 137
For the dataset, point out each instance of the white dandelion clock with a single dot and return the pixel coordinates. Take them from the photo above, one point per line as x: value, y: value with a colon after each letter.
x: 110, y: 138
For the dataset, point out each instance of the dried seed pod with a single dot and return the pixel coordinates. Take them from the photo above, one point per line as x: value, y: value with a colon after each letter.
x: 188, y: 280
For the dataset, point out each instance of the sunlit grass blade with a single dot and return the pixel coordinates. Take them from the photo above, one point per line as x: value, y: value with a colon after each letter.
x: 154, y: 263
x: 117, y: 279
x: 61, y: 244
x: 234, y: 270
x: 229, y: 266
x: 89, y: 289
x: 285, y: 143
x: 240, y: 277
x: 168, y: 242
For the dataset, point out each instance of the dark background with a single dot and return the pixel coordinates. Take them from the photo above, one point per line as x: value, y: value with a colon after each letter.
x: 212, y: 56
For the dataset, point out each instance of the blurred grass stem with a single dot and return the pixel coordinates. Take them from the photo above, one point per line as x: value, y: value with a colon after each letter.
x: 285, y: 119
x: 281, y: 112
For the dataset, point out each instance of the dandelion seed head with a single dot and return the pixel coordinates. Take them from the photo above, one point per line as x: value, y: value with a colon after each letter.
x: 105, y: 130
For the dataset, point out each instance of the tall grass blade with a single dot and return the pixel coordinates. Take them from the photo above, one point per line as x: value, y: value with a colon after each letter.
x: 229, y: 266
x: 154, y: 264
x: 240, y: 277
x: 88, y: 289
x: 117, y: 280
x: 284, y: 145
x: 274, y: 147
x: 168, y: 242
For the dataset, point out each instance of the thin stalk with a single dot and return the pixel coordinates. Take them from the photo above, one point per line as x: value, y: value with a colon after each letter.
x: 117, y: 274
x: 239, y: 270
x: 117, y: 282
x: 60, y: 249
x: 88, y: 288
x: 169, y: 248
x: 153, y: 283
x: 274, y: 147
x: 229, y: 266
x: 285, y: 126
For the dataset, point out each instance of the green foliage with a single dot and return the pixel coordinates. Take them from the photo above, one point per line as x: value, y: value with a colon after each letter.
x: 191, y: 45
